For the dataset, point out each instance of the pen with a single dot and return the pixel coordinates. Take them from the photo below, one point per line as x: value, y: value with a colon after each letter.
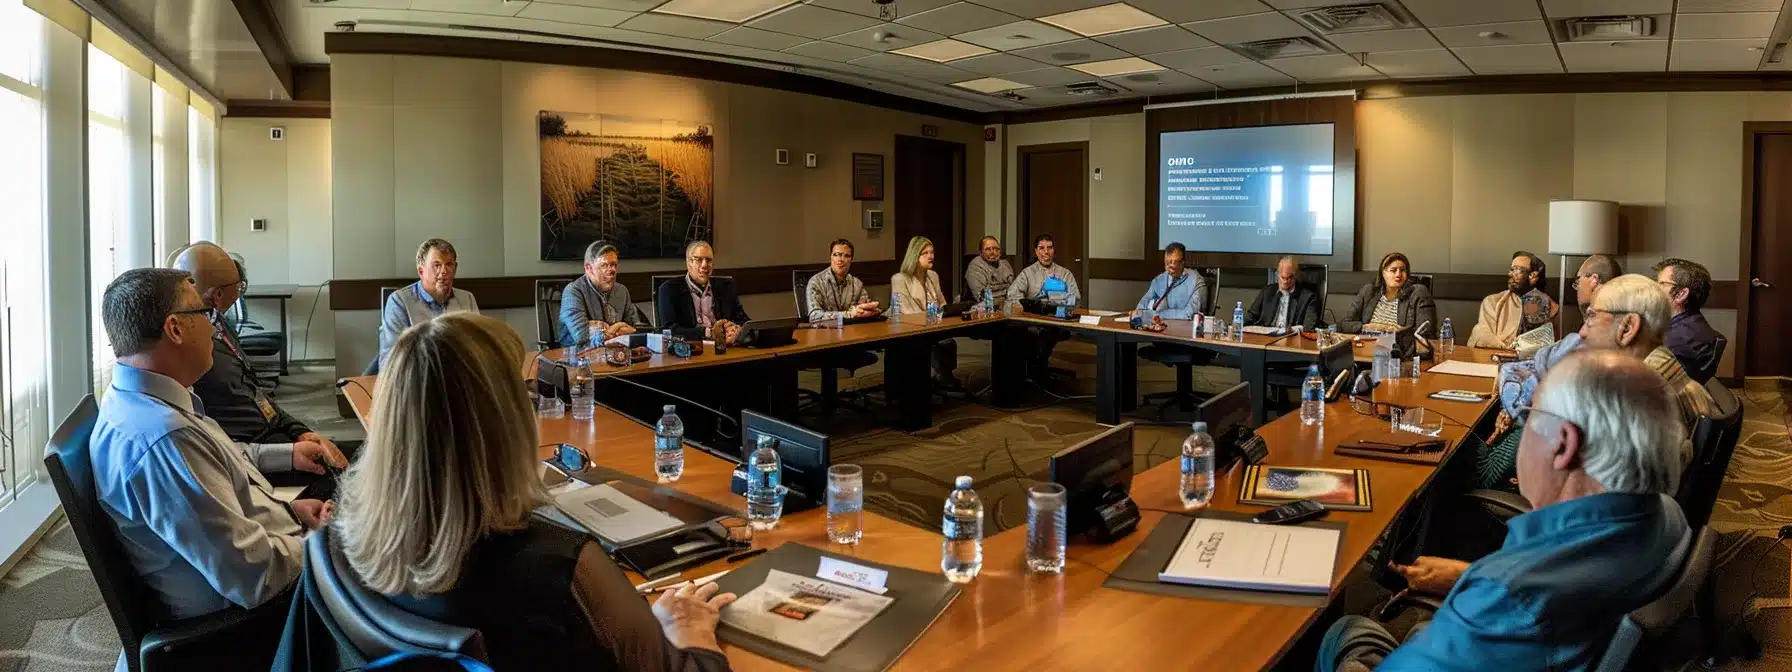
x: 649, y: 586
x: 675, y: 586
x: 737, y: 557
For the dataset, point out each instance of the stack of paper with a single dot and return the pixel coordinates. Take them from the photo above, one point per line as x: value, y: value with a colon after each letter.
x: 607, y: 513
x: 809, y: 615
x: 1234, y: 554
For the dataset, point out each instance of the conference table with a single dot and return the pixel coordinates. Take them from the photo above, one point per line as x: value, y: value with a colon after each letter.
x: 1009, y: 618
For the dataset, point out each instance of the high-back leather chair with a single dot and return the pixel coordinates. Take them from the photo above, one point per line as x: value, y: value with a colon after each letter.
x: 369, y: 627
x: 1644, y: 634
x: 547, y: 311
x: 373, y: 367
x: 1714, y: 443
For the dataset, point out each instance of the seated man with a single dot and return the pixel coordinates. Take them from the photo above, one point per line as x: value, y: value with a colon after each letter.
x: 1521, y: 308
x: 693, y: 305
x: 1690, y: 337
x: 228, y: 389
x: 597, y: 297
x: 1176, y: 293
x: 1050, y: 282
x: 1630, y: 314
x: 430, y: 296
x: 1285, y: 303
x: 199, y: 523
x: 989, y: 272
x: 1598, y: 463
x: 836, y: 292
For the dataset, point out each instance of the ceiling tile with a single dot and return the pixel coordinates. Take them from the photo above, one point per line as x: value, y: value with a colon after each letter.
x: 1249, y: 28
x: 1511, y: 32
x: 1194, y: 59
x: 1118, y: 17
x: 1695, y: 6
x: 1557, y: 9
x: 1384, y: 40
x: 1182, y: 11
x: 1048, y: 76
x: 913, y: 67
x: 1117, y: 67
x: 1248, y: 75
x: 1435, y: 13
x: 873, y: 10
x: 1323, y: 68
x: 1302, y: 4
x: 1510, y: 59
x: 812, y: 22
x: 1154, y: 40
x: 756, y: 38
x: 896, y: 36
x: 996, y: 64
x: 958, y: 17
x: 1037, y: 8
x: 989, y: 85
x: 1161, y: 83
x: 478, y: 7
x: 1017, y: 35
x: 681, y: 26
x: 1067, y: 53
x: 625, y: 5
x: 944, y: 50
x: 1721, y: 55
x: 830, y: 51
x: 589, y: 16
x: 1633, y: 56
x: 1418, y: 63
x: 1724, y: 26
x: 731, y: 11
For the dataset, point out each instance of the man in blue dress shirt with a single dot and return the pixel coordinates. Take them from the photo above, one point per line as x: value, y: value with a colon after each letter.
x: 1176, y: 293
x: 1599, y: 456
x: 199, y: 523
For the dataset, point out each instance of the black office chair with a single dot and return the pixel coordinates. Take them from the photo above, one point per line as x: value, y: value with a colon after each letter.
x: 373, y: 367
x: 259, y: 345
x: 365, y: 625
x: 1317, y: 277
x: 151, y: 640
x: 1717, y: 353
x: 832, y: 361
x: 1423, y: 279
x: 1183, y: 358
x: 547, y: 311
x: 1714, y: 443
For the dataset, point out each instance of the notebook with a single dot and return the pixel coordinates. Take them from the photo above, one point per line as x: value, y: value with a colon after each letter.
x: 1237, y: 554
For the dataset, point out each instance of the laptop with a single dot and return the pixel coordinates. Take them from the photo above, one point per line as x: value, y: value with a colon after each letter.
x: 769, y: 333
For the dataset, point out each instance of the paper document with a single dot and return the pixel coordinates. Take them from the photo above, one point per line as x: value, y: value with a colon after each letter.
x: 1530, y: 342
x: 1104, y: 313
x: 865, y: 578
x: 1089, y: 319
x: 1475, y: 369
x: 809, y: 615
x: 618, y: 518
x: 1265, y: 331
x: 1237, y: 554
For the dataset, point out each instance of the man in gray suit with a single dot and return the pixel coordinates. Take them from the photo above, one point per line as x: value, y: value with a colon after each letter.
x: 597, y: 297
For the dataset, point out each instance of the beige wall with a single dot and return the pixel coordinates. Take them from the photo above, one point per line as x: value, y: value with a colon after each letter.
x: 286, y: 182
x: 447, y: 147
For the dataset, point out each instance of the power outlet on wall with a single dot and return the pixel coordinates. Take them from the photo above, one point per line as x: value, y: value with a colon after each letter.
x: 258, y: 224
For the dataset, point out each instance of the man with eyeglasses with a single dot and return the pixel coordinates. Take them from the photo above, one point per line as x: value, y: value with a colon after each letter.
x: 693, y: 305
x: 431, y: 296
x: 1690, y: 337
x: 199, y: 523
x: 229, y: 390
x: 1598, y: 463
x: 597, y: 297
x: 1521, y: 308
x: 1631, y: 315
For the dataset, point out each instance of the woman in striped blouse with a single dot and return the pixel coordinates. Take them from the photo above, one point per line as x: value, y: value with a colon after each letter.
x: 1392, y: 301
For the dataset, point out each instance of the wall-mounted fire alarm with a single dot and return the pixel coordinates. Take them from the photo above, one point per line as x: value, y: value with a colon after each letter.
x: 276, y: 133
x: 809, y: 160
x: 781, y: 157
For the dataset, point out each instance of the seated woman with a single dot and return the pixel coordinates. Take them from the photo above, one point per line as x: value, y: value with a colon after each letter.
x: 915, y: 285
x: 435, y: 515
x: 1391, y: 302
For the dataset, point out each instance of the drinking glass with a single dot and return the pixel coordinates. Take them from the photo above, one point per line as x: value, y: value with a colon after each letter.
x: 1045, y: 528
x: 1420, y: 421
x: 846, y: 503
x: 547, y: 406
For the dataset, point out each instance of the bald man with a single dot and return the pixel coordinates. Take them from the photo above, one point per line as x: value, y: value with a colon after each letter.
x: 228, y: 391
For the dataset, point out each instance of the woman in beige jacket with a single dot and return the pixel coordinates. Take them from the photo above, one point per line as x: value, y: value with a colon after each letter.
x: 911, y: 289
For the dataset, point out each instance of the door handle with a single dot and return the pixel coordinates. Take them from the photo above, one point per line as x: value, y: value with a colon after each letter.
x: 1757, y: 282
x: 1078, y: 259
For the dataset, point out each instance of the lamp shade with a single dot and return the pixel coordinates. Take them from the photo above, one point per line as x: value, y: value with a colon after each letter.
x: 1582, y: 227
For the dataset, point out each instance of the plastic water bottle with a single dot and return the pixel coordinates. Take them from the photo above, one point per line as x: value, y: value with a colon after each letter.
x: 1238, y: 318
x: 961, y: 553
x: 765, y: 493
x: 1384, y: 358
x: 668, y: 446
x: 1447, y: 337
x: 1197, y: 468
x: 580, y: 384
x: 594, y: 333
x: 989, y: 302
x: 895, y: 306
x: 1312, y: 397
x: 933, y: 311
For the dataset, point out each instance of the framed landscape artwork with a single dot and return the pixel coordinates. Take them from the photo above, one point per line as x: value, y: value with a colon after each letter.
x: 646, y: 185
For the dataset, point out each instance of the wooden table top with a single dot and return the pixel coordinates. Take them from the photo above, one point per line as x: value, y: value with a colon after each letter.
x: 1010, y: 619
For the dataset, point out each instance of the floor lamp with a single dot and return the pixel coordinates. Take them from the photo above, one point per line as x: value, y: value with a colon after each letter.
x: 1579, y: 228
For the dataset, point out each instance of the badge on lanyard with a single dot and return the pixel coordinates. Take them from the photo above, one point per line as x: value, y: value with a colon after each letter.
x: 267, y: 407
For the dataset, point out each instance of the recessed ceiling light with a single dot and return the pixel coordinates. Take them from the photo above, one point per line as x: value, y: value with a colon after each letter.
x: 1114, y: 18
x: 732, y: 11
x: 990, y: 85
x: 1118, y: 66
x: 941, y: 51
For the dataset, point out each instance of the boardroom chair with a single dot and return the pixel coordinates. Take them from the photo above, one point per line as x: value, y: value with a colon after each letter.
x: 1714, y: 443
x: 831, y: 361
x: 547, y: 311
x: 653, y: 293
x: 260, y: 346
x: 151, y: 640
x: 1422, y: 279
x: 1184, y: 358
x: 1317, y: 277
x: 373, y: 367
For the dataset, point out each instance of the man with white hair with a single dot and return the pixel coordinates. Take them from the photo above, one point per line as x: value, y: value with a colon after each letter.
x: 1631, y: 314
x: 1598, y: 461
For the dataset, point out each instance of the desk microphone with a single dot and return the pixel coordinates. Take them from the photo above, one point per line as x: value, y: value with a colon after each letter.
x: 1420, y: 330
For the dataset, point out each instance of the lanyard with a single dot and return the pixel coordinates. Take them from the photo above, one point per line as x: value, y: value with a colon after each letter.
x: 1166, y: 296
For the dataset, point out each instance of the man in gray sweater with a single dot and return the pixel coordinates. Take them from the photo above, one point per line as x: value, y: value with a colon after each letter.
x: 597, y: 297
x: 1049, y: 282
x: 989, y: 271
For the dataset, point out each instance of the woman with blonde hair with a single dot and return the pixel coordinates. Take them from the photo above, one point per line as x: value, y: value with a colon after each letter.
x: 435, y: 515
x: 915, y: 285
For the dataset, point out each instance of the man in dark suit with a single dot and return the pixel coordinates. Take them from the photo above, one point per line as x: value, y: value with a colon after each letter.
x: 694, y: 304
x: 1690, y: 337
x: 1285, y: 303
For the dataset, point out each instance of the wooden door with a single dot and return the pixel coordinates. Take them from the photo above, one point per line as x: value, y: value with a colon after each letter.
x: 930, y: 199
x: 1054, y: 199
x: 1768, y: 274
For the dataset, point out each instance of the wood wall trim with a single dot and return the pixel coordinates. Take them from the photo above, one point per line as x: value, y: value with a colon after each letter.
x: 264, y: 26
x: 311, y: 82
x: 278, y: 109
x: 519, y: 291
x: 636, y: 61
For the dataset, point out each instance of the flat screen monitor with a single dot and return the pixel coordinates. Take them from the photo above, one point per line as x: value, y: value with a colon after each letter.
x: 1262, y: 189
x: 1092, y: 473
x: 1228, y: 418
x: 803, y: 454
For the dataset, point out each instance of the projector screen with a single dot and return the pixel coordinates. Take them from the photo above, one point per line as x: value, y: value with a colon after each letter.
x: 1264, y: 189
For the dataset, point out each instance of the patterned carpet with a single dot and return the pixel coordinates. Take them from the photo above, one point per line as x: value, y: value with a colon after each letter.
x: 52, y: 619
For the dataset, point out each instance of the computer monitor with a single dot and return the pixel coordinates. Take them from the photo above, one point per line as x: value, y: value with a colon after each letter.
x: 1228, y: 418
x: 803, y: 454
x: 1095, y: 474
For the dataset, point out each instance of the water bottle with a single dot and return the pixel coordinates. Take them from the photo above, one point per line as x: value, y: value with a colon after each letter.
x: 895, y: 306
x: 668, y: 446
x: 1312, y: 397
x: 1238, y: 318
x: 765, y: 494
x: 1384, y: 357
x: 594, y: 332
x: 580, y: 384
x: 933, y: 311
x: 1447, y: 337
x: 1197, y: 468
x: 989, y: 302
x: 961, y: 553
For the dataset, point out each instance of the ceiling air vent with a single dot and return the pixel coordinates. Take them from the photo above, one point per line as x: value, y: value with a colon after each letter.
x: 1356, y: 18
x: 1607, y: 28
x: 1281, y: 48
x: 1091, y: 88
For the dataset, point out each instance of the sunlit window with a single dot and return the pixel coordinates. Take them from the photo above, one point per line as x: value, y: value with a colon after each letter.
x: 109, y: 201
x: 202, y: 176
x: 24, y: 390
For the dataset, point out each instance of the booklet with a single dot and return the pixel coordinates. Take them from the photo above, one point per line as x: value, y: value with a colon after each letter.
x: 1237, y: 554
x: 807, y: 614
x: 617, y: 518
x: 1530, y: 342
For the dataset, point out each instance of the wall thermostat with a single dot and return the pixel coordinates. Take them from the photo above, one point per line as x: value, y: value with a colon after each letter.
x: 809, y: 160
x: 276, y: 133
x: 258, y: 224
x: 874, y: 220
x: 781, y: 157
